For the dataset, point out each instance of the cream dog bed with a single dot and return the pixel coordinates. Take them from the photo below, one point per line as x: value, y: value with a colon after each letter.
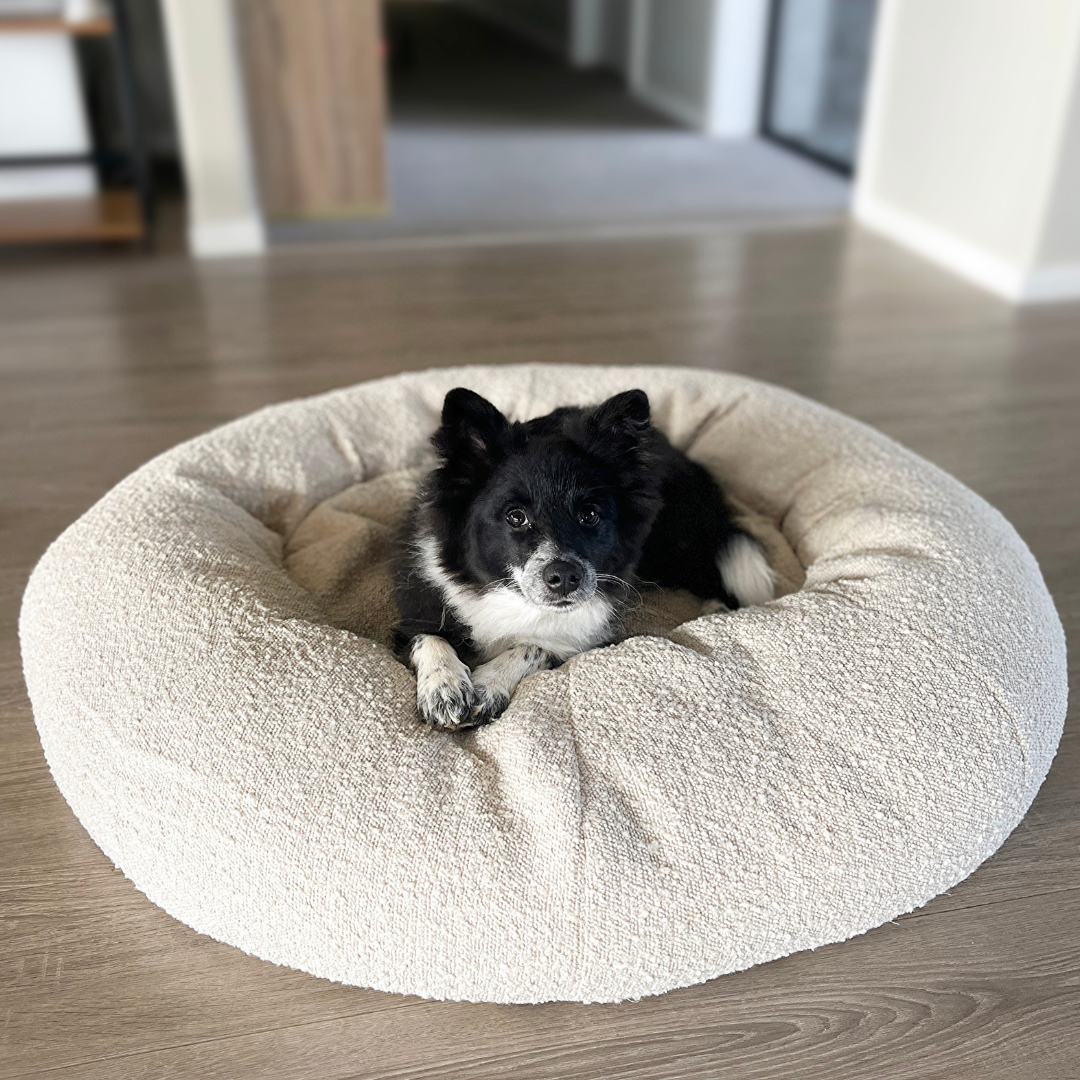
x: 206, y: 652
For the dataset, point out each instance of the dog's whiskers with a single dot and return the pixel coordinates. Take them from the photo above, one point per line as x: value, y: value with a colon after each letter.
x: 631, y: 598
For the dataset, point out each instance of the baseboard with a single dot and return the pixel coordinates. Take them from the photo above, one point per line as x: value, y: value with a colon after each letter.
x: 1019, y: 284
x: 220, y: 239
x: 955, y: 254
x: 1046, y: 284
x: 671, y: 105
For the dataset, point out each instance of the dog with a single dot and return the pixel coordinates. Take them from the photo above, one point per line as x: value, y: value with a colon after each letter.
x: 522, y: 547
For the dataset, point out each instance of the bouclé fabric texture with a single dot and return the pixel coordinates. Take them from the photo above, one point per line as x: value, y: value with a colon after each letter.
x: 207, y: 655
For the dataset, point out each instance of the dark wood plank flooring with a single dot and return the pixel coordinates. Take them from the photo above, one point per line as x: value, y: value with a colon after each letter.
x: 107, y: 359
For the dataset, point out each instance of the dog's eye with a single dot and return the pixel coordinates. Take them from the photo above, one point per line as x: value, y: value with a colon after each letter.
x: 589, y: 516
x: 517, y: 518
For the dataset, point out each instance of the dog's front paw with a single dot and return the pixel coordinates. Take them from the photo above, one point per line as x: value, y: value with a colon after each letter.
x: 446, y: 700
x: 712, y: 607
x: 490, y: 704
x: 495, y: 681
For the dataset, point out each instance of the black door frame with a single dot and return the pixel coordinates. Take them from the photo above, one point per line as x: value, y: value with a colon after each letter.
x: 772, y: 49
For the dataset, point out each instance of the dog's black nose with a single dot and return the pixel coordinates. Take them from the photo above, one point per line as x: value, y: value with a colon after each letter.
x: 562, y: 577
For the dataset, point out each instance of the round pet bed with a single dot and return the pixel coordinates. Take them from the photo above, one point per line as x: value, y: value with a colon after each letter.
x: 206, y: 652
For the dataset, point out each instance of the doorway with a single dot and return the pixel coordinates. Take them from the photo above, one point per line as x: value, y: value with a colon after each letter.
x: 494, y: 131
x: 819, y: 58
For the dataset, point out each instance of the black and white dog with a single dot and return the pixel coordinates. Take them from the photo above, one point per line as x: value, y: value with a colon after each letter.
x: 522, y: 547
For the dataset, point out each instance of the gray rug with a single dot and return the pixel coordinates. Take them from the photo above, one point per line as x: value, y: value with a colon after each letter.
x: 454, y: 182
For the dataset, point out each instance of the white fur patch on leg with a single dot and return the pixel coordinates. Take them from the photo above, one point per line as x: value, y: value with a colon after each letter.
x: 746, y: 573
x: 444, y: 689
x: 495, y: 681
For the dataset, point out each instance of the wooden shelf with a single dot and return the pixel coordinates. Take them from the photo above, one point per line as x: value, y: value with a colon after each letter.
x: 88, y: 28
x: 110, y: 215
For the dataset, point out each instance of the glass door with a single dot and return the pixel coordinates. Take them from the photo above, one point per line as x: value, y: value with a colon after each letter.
x: 819, y: 54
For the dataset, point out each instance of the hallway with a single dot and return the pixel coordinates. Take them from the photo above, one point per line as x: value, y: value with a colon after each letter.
x: 491, y: 137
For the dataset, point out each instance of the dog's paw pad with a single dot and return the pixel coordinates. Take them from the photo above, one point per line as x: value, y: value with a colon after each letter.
x: 490, y: 705
x: 447, y: 703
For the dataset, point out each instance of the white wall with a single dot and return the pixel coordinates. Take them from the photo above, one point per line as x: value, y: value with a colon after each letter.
x: 1059, y: 244
x: 598, y: 34
x: 701, y: 61
x: 737, y: 71
x: 670, y: 52
x: 614, y: 35
x: 42, y: 113
x: 222, y: 206
x: 971, y: 142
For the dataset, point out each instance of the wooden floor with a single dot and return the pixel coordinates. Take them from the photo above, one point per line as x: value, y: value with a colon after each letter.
x: 109, y: 358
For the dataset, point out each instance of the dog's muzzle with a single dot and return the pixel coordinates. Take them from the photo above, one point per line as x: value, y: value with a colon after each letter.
x: 555, y: 579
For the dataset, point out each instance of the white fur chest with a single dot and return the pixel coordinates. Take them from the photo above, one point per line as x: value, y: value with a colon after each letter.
x: 499, y: 618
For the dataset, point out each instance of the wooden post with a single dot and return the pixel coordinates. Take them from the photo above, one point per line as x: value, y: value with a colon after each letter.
x: 316, y: 98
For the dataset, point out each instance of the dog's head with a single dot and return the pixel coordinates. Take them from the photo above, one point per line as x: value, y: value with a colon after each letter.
x: 557, y: 508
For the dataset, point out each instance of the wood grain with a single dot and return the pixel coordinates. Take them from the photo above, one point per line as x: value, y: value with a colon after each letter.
x: 98, y: 27
x: 316, y: 101
x: 110, y: 215
x: 107, y: 360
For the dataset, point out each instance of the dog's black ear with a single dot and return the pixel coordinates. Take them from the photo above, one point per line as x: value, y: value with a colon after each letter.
x: 623, y: 416
x: 620, y: 432
x: 471, y: 427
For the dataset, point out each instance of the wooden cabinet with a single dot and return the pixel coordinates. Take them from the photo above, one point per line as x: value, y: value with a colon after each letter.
x: 316, y: 101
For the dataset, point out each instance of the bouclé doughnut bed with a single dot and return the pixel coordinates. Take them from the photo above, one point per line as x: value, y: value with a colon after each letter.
x: 207, y: 653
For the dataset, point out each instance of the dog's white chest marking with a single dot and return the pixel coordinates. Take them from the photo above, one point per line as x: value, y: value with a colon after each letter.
x: 501, y: 617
